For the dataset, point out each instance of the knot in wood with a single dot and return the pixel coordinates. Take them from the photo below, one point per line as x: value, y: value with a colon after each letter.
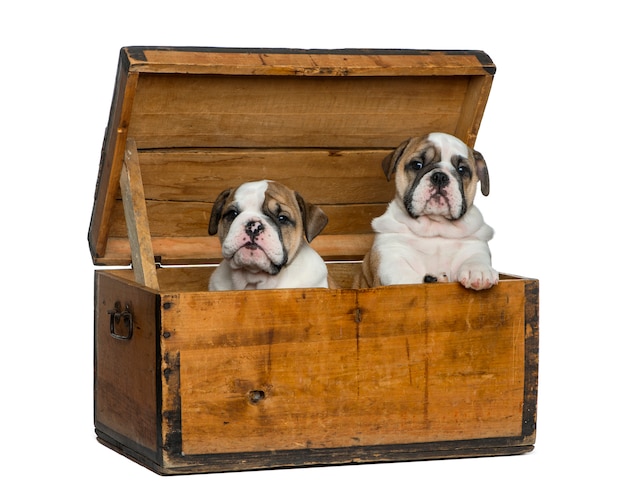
x: 256, y: 396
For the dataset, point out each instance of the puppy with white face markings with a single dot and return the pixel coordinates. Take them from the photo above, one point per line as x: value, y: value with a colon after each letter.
x: 265, y: 229
x: 432, y: 231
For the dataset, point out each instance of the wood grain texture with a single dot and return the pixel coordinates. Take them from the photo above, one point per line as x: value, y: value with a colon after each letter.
x: 288, y: 112
x: 113, y: 149
x: 409, y: 366
x: 180, y: 188
x: 307, y: 377
x: 136, y: 215
x: 325, y: 177
x: 207, y: 250
x: 287, y: 62
x: 125, y: 373
x: 205, y: 120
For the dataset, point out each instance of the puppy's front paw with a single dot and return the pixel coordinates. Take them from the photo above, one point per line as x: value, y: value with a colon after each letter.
x: 478, y: 277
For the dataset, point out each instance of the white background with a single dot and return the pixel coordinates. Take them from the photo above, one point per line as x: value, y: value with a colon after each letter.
x: 553, y: 137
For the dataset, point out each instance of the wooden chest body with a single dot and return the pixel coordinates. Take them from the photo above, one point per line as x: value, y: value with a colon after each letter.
x: 190, y: 381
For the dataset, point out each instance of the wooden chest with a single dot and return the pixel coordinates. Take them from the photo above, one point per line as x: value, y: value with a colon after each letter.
x: 191, y: 381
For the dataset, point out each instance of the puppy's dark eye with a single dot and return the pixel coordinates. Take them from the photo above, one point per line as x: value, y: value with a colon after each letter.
x: 230, y: 215
x: 415, y: 165
x: 464, y: 170
x: 284, y: 219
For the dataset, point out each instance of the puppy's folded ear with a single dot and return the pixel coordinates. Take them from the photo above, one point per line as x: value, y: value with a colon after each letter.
x: 483, y: 173
x: 216, y: 212
x: 390, y: 162
x: 313, y: 218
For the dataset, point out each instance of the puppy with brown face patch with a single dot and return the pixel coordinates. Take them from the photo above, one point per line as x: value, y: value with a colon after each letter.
x: 431, y: 231
x: 265, y: 229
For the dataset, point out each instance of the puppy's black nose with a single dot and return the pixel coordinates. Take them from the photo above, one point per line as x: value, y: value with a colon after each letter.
x: 254, y: 228
x: 439, y: 179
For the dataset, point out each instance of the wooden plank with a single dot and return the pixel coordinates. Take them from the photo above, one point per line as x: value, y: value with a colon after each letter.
x: 279, y: 131
x: 175, y: 279
x: 212, y: 397
x: 326, y: 63
x: 114, y: 146
x: 196, y: 278
x: 136, y: 215
x: 292, y: 112
x: 188, y: 219
x: 532, y: 359
x: 324, y: 177
x: 473, y: 109
x: 312, y: 373
x: 177, y: 464
x: 193, y: 95
x: 125, y: 389
x: 471, y: 357
x: 207, y: 250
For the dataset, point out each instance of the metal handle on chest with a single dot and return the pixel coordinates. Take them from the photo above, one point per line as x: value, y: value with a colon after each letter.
x: 117, y: 317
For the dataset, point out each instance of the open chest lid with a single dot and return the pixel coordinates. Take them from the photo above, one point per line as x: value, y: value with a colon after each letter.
x: 197, y: 121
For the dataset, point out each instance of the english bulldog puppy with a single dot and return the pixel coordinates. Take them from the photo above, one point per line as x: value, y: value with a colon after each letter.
x: 265, y: 229
x: 431, y: 231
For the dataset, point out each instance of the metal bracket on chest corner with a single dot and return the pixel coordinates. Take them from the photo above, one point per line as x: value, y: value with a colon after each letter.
x: 118, y: 317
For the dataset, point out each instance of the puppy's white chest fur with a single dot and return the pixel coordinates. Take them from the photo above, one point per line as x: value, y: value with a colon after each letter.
x: 395, y: 220
x: 411, y: 249
x: 313, y: 274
